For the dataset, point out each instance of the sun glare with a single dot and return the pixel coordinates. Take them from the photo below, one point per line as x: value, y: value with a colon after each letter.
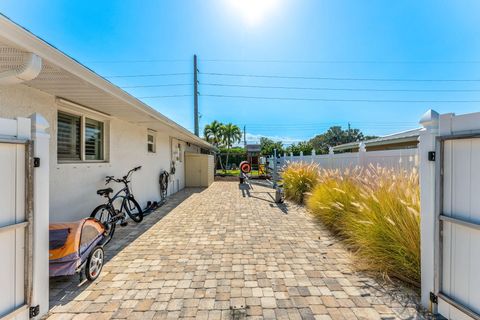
x: 254, y: 11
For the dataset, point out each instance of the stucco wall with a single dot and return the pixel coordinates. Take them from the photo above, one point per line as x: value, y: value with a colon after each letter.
x: 73, y: 186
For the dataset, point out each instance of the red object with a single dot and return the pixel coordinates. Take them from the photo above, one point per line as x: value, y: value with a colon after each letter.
x: 245, y: 167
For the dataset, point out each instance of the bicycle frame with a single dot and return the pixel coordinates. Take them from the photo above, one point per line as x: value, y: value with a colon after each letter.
x: 127, y: 194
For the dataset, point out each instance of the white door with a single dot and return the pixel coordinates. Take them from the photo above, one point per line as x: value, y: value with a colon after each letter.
x: 14, y: 230
x: 458, y: 253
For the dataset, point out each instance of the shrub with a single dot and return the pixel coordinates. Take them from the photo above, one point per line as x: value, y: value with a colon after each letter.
x: 298, y: 179
x: 376, y: 212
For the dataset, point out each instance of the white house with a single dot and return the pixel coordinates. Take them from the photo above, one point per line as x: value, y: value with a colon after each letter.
x: 94, y: 129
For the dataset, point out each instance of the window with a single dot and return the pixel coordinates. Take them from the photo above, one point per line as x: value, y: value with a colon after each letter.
x: 68, y: 137
x: 93, y: 139
x: 151, y: 143
x: 79, y: 138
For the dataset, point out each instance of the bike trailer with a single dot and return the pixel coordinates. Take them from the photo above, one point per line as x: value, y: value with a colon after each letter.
x: 75, y: 246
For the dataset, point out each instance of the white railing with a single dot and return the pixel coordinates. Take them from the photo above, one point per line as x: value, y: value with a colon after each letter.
x: 406, y: 159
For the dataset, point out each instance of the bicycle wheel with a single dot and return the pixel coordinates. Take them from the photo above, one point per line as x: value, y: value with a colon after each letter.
x: 133, y: 209
x: 103, y: 214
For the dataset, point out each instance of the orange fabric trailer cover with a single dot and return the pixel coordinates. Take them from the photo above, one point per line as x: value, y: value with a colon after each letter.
x: 72, y: 243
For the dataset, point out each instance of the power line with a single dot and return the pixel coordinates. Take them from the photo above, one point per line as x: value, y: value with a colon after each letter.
x: 338, y: 61
x: 170, y: 96
x: 158, y: 85
x: 339, y: 100
x: 330, y: 125
x: 337, y: 89
x: 291, y: 77
x: 287, y: 61
x: 136, y: 61
x: 336, y: 78
x: 326, y: 127
x: 150, y: 75
x: 332, y: 122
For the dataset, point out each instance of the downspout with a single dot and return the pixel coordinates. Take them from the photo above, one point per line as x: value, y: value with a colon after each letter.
x: 28, y: 71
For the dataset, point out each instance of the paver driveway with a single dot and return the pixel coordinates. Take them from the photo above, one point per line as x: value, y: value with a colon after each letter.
x: 226, y: 252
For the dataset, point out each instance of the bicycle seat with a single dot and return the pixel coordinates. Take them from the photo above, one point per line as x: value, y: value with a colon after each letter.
x: 104, y: 192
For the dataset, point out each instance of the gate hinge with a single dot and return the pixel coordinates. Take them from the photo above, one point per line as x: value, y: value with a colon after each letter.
x: 34, y: 311
x: 433, y: 298
x: 36, y: 162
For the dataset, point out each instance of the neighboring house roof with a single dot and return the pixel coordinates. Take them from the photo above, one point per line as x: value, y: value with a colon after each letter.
x: 64, y: 77
x: 404, y: 136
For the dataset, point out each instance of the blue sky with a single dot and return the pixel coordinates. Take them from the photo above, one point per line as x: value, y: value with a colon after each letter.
x: 301, y: 38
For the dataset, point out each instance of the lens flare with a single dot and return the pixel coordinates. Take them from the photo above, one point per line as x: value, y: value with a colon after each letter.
x: 254, y: 11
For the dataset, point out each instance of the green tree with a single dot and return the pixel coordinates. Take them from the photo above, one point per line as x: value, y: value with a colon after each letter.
x: 335, y: 136
x: 304, y: 146
x: 268, y: 145
x: 231, y: 134
x: 213, y: 133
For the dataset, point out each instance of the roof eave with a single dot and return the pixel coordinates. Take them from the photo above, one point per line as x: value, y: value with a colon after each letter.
x: 23, y: 38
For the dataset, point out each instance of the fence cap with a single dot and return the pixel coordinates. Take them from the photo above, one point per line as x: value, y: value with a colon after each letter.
x: 429, y: 120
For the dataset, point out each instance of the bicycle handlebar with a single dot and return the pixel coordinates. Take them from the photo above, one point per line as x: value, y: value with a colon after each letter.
x: 124, y: 179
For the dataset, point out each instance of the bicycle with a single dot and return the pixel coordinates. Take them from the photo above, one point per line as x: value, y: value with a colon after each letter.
x: 163, y: 181
x: 108, y: 215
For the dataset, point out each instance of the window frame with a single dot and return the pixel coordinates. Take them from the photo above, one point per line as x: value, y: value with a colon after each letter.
x: 153, y: 143
x: 105, y: 139
x: 80, y: 136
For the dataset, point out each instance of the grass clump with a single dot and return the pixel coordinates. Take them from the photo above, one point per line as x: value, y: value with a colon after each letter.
x: 298, y: 179
x: 376, y: 212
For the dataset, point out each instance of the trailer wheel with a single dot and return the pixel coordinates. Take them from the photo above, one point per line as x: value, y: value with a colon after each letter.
x: 94, y: 263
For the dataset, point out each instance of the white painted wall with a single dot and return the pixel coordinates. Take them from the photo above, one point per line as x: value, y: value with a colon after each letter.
x: 73, y: 186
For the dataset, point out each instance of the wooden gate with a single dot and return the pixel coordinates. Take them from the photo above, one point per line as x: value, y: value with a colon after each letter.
x: 16, y: 227
x: 457, y: 243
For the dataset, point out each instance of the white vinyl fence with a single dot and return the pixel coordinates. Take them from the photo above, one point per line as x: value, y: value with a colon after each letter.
x: 24, y: 217
x: 450, y: 214
x: 405, y: 159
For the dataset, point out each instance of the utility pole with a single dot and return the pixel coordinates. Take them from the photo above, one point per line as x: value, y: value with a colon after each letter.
x: 245, y: 135
x: 349, y: 138
x: 195, y: 95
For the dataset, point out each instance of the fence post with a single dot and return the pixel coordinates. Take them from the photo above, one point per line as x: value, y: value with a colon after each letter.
x: 330, y: 157
x: 291, y: 156
x: 427, y: 142
x: 301, y: 155
x: 362, y: 154
x: 41, y: 209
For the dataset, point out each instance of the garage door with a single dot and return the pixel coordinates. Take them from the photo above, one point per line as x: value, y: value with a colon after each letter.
x: 458, y: 231
x: 15, y: 228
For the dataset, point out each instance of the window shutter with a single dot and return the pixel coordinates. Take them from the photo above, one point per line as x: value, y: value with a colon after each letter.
x: 93, y: 139
x: 68, y: 137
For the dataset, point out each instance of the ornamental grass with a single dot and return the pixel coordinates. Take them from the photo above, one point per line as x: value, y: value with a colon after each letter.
x: 374, y: 210
x: 298, y: 179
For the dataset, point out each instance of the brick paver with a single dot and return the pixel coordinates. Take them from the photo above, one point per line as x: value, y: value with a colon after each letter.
x: 228, y: 253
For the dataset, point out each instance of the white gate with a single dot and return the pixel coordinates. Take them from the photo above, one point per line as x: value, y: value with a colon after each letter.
x: 457, y: 235
x: 16, y: 227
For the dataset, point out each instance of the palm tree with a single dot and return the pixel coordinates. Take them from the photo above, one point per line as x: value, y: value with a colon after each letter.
x: 231, y: 135
x: 213, y: 133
